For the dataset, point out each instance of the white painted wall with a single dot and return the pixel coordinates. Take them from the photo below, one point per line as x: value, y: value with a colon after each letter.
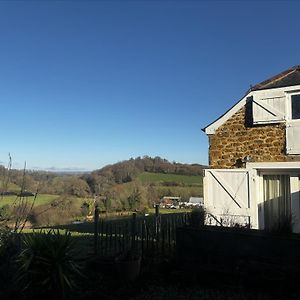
x: 224, y: 188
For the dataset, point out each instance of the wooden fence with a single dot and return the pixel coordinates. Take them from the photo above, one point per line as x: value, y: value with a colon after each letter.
x: 153, y: 235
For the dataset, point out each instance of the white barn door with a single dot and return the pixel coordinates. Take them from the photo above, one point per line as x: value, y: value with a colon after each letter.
x: 227, y: 196
x: 293, y: 137
x: 269, y: 106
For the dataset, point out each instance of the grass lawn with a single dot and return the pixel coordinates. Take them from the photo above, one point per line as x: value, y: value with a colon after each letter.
x: 40, y: 200
x: 183, y: 191
x: 147, y: 177
x: 170, y: 211
x: 62, y: 231
x: 11, y: 187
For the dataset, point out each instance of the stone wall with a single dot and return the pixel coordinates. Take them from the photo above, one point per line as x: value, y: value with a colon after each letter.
x: 234, y: 140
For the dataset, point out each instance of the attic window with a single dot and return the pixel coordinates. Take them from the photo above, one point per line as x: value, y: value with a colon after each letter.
x: 268, y: 109
x: 295, y: 106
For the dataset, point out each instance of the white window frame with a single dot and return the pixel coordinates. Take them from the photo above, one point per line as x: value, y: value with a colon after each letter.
x: 291, y: 148
x: 294, y: 190
x: 288, y: 107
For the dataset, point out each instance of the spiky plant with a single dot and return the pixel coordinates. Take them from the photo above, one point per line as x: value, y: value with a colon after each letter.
x: 46, y: 265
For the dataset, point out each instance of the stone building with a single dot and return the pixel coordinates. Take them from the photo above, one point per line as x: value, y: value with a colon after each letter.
x: 254, y: 157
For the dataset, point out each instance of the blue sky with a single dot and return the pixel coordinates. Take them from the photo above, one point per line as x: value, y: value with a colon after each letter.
x: 84, y: 84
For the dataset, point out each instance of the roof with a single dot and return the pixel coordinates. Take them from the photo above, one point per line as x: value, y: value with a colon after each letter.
x: 171, y: 198
x: 289, y: 77
x: 196, y: 200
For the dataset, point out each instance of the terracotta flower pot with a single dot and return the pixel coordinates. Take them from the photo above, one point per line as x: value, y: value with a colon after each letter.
x: 128, y: 269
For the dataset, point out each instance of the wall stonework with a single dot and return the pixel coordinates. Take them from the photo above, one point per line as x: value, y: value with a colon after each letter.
x: 233, y: 141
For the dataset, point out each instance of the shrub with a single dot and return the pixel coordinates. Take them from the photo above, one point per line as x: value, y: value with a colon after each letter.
x: 283, y: 226
x: 9, y: 249
x: 145, y: 210
x: 5, y: 213
x: 4, y: 240
x: 60, y: 211
x: 85, y: 208
x: 197, y: 218
x: 46, y: 265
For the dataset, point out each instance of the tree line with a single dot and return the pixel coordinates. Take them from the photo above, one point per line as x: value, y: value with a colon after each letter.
x: 128, y: 170
x: 118, y: 182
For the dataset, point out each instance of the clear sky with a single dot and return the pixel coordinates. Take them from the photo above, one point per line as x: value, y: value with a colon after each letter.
x: 84, y: 84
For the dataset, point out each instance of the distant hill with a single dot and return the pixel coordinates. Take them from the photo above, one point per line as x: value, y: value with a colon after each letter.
x: 152, y: 178
x: 128, y: 170
x: 127, y: 175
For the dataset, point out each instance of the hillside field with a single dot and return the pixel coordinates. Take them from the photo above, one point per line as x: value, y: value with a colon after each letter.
x: 159, y: 178
x: 40, y: 199
x: 184, y: 186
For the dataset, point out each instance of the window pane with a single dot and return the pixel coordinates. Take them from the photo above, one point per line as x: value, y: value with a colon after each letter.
x: 296, y: 107
x: 277, y: 201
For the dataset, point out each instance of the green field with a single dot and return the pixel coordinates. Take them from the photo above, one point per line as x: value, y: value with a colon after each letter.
x: 164, y: 211
x: 11, y: 187
x: 147, y: 177
x: 40, y: 199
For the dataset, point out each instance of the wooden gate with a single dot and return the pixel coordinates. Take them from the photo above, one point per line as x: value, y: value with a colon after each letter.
x: 227, y: 197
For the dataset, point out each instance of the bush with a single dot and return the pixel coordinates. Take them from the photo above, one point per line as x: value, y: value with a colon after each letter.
x: 9, y: 249
x: 46, y: 265
x: 4, y: 240
x: 145, y: 210
x: 5, y: 213
x: 197, y: 218
x: 58, y: 212
x: 283, y: 226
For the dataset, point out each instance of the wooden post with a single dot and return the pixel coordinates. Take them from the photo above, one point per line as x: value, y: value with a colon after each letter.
x: 156, y: 210
x: 133, y: 232
x: 162, y: 230
x: 96, y: 227
x: 143, y: 237
x: 157, y: 229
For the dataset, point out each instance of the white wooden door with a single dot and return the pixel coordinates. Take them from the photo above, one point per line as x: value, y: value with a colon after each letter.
x: 227, y: 196
x: 269, y: 106
x: 268, y: 110
x: 293, y: 137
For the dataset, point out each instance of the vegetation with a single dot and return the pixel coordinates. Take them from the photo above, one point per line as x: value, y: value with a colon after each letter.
x: 129, y: 170
x: 197, y: 219
x: 43, y: 198
x: 170, y: 179
x: 46, y: 265
x: 62, y: 210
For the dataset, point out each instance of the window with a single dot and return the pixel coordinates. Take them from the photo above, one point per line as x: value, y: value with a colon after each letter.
x: 295, y: 106
x: 293, y: 123
x: 277, y: 201
x: 268, y: 109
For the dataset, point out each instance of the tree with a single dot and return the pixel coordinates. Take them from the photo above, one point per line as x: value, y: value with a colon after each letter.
x: 107, y: 204
x: 71, y: 185
x: 134, y: 199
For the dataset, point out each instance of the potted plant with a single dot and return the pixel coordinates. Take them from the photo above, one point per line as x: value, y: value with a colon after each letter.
x: 128, y: 265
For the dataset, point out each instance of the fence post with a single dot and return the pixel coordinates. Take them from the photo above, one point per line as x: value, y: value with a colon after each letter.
x: 96, y: 227
x: 133, y: 232
x: 156, y: 210
x: 157, y: 227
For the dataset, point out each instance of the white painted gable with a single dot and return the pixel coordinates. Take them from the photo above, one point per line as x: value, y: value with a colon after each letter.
x: 269, y: 106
